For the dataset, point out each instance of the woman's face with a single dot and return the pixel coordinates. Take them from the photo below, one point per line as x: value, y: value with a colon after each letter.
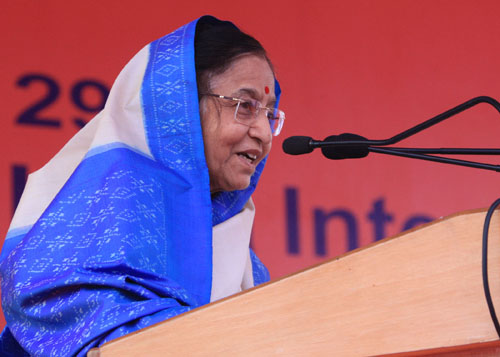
x: 233, y: 149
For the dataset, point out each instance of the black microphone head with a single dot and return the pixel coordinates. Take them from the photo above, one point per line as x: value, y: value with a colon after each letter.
x: 297, y: 145
x: 347, y: 151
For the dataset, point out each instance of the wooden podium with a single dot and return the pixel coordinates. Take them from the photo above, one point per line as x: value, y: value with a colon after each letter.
x: 416, y: 294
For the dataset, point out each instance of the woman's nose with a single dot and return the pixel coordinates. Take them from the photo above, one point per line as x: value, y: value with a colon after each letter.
x: 261, y: 128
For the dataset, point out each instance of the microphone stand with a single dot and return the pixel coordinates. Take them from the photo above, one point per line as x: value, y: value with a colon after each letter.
x: 424, y: 153
x: 417, y: 128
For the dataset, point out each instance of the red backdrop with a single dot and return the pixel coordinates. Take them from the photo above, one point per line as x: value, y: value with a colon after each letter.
x: 369, y: 67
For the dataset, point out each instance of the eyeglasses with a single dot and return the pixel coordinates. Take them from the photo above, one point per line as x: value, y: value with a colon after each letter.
x: 247, y: 111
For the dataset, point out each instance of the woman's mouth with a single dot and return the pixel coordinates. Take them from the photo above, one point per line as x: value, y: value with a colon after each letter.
x: 250, y: 158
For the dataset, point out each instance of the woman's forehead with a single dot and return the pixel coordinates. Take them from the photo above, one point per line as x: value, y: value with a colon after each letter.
x: 249, y: 75
x: 253, y: 93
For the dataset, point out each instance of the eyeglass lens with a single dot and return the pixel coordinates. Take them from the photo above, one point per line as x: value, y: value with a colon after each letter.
x: 247, y: 111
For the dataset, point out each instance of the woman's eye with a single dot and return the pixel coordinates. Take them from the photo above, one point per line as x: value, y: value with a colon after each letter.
x: 247, y: 106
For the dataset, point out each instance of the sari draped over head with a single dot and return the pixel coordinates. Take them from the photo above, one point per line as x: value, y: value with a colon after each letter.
x: 115, y: 232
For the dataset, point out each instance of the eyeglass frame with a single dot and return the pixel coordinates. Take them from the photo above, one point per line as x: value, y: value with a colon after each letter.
x: 280, y: 118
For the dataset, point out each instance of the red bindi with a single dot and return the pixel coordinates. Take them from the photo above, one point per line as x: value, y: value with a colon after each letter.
x: 266, y: 89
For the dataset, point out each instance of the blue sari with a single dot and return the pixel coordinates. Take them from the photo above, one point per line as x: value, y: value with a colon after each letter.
x: 125, y: 238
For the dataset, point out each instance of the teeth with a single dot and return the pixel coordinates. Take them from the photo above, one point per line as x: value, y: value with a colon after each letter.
x: 249, y: 157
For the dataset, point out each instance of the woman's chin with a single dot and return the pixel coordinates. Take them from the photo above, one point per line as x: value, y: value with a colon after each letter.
x: 239, y: 186
x: 236, y: 185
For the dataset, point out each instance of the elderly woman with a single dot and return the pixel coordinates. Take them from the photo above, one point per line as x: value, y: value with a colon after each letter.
x: 146, y: 213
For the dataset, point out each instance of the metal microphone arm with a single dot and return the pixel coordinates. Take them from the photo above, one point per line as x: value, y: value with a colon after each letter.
x: 416, y: 129
x: 445, y: 160
x: 449, y: 151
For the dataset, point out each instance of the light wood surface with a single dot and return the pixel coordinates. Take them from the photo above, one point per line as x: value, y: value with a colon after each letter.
x: 418, y: 291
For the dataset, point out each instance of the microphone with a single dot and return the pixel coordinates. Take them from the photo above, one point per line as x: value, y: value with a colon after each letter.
x: 331, y: 147
x: 298, y: 145
x: 339, y: 152
x: 351, y: 146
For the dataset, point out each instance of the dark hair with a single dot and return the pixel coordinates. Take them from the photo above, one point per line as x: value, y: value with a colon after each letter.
x: 216, y: 45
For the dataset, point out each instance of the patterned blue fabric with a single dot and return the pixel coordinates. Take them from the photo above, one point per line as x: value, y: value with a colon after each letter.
x: 127, y: 241
x: 260, y: 272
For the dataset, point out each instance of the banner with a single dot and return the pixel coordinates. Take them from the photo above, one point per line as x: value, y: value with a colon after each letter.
x: 374, y: 68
